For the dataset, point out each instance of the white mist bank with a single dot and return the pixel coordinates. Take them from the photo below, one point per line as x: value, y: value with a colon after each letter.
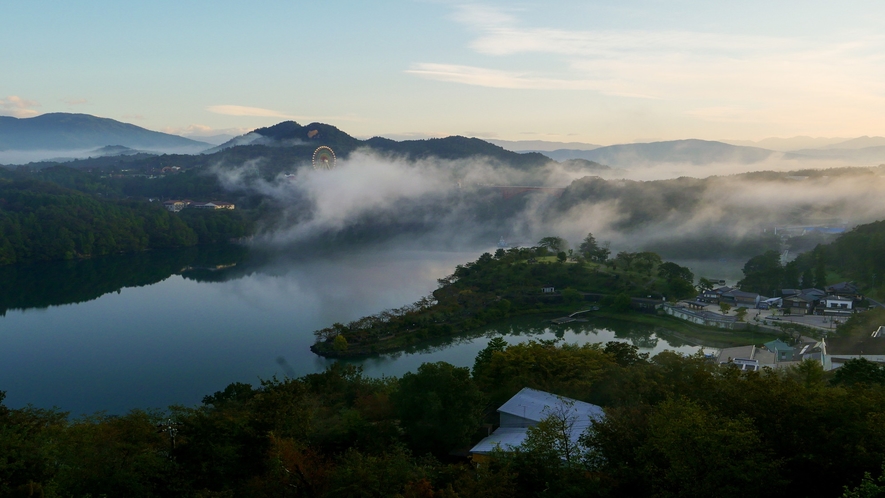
x: 443, y: 198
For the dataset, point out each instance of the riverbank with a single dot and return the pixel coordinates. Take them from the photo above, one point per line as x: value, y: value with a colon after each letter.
x: 665, y: 326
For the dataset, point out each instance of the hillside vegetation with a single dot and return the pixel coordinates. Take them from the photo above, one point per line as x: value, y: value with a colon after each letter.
x: 857, y: 255
x: 674, y: 426
x: 41, y: 221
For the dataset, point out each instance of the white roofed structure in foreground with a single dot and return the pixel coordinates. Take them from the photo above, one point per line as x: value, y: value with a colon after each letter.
x: 526, y: 409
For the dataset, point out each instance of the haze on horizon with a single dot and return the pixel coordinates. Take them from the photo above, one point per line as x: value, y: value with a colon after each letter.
x: 601, y: 72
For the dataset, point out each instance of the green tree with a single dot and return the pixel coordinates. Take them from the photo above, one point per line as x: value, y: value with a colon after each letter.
x: 621, y: 303
x: 671, y: 271
x: 592, y: 250
x: 868, y: 488
x: 699, y: 453
x: 625, y: 354
x: 439, y: 407
x: 820, y: 270
x: 763, y: 274
x: 791, y: 275
x: 724, y: 308
x: 859, y: 371
x: 625, y: 260
x: 339, y: 343
x: 572, y: 296
x: 646, y: 262
x: 741, y: 313
x: 484, y: 357
x: 704, y: 284
x: 679, y: 280
x: 554, y: 244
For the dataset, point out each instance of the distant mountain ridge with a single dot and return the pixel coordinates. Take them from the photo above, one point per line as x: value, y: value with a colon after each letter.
x: 68, y: 132
x: 541, y: 145
x: 691, y: 151
x: 292, y: 134
x: 858, y: 143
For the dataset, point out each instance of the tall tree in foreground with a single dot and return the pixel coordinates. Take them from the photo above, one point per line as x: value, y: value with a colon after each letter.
x: 439, y: 407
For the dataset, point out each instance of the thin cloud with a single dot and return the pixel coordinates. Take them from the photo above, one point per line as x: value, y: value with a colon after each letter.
x: 494, y: 78
x: 241, y: 110
x: 76, y: 101
x: 743, y: 79
x: 18, y: 107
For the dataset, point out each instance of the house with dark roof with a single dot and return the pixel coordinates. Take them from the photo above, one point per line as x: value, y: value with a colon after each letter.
x: 526, y: 409
x: 712, y: 296
x: 737, y: 297
x: 845, y: 289
x: 802, y: 301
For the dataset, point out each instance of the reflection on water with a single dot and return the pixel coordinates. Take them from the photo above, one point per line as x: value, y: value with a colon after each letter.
x: 461, y: 351
x: 40, y: 285
x: 168, y: 327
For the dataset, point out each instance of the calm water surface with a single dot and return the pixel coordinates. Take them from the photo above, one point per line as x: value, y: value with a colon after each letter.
x: 138, y: 332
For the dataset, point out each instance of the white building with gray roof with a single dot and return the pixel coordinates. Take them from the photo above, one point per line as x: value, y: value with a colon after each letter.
x: 529, y: 407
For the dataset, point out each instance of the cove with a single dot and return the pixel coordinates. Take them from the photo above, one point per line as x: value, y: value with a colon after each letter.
x: 154, y: 329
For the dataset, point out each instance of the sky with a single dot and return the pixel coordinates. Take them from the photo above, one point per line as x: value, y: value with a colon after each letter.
x: 599, y: 72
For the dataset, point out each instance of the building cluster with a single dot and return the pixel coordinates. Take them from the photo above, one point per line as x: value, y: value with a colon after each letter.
x: 839, y: 299
x: 830, y: 352
x: 176, y: 205
x: 774, y: 354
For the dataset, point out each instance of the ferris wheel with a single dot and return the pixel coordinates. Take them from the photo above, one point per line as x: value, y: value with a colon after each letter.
x: 323, y: 158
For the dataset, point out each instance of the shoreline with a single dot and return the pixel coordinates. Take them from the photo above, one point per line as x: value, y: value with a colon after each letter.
x: 696, y: 335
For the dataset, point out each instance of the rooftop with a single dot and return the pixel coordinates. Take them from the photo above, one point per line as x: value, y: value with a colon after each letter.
x: 536, y: 405
x: 778, y: 345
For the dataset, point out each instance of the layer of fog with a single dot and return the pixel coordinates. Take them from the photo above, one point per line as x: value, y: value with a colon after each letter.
x: 20, y: 157
x: 647, y: 171
x: 436, y: 203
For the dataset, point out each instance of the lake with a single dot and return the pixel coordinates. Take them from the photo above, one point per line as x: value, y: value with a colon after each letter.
x: 159, y: 328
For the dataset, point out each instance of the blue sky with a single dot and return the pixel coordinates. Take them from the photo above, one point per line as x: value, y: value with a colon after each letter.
x: 593, y: 71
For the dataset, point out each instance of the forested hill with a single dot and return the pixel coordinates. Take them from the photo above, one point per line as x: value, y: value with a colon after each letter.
x: 41, y: 221
x: 458, y: 147
x: 857, y: 255
x: 303, y: 140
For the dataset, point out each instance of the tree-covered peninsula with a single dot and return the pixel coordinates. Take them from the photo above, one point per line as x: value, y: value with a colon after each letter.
x: 512, y: 282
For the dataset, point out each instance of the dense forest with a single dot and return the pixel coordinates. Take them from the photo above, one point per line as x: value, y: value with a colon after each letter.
x: 508, y: 283
x: 674, y: 426
x: 43, y: 221
x: 857, y: 255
